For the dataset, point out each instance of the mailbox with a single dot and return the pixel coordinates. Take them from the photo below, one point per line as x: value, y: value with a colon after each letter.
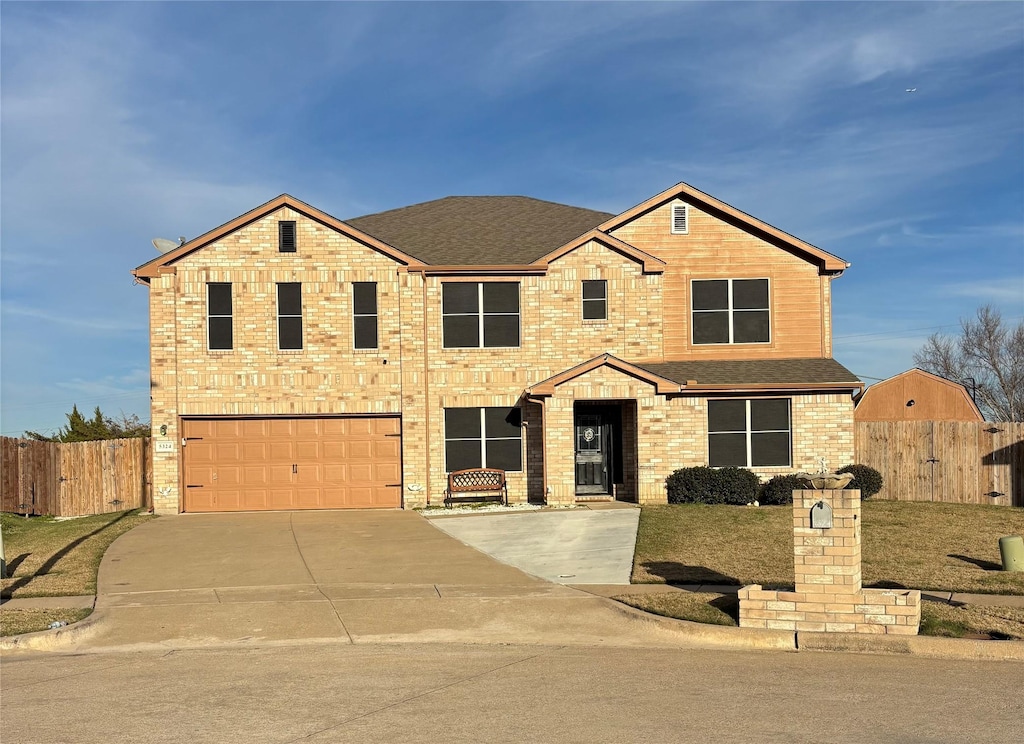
x: 821, y: 516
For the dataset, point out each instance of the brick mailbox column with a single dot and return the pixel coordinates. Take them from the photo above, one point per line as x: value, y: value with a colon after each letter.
x: 826, y: 561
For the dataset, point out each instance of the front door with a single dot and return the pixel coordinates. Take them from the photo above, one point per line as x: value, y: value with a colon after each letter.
x: 593, y: 449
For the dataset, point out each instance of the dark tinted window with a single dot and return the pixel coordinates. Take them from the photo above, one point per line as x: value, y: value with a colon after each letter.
x: 365, y: 331
x: 769, y: 415
x: 286, y: 236
x: 364, y: 298
x: 501, y: 297
x: 460, y: 297
x: 221, y: 336
x: 595, y: 299
x: 769, y: 449
x: 711, y: 295
x: 750, y: 326
x: 727, y: 415
x: 750, y: 294
x: 461, y: 331
x: 501, y: 330
x: 502, y: 422
x: 219, y: 299
x: 462, y: 423
x: 711, y: 328
x: 727, y: 450
x: 506, y: 454
x: 462, y: 454
x: 289, y: 298
x: 289, y: 315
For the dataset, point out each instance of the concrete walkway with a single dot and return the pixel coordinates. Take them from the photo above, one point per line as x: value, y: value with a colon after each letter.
x: 579, y: 546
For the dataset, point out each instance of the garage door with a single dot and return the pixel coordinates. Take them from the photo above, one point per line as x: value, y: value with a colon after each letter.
x: 292, y: 463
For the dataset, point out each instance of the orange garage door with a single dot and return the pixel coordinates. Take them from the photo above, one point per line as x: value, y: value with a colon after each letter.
x: 292, y: 463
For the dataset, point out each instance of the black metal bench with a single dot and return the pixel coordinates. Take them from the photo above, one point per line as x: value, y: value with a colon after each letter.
x: 476, y: 484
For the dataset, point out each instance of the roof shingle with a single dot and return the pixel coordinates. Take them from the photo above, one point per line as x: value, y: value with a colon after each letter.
x: 756, y: 372
x: 479, y: 230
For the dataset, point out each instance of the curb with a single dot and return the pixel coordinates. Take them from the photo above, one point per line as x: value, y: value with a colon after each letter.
x: 53, y: 640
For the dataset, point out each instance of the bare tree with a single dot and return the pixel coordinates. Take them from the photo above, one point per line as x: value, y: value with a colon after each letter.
x: 987, y: 351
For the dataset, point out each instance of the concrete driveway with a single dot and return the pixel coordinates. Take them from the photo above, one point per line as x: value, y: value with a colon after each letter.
x: 348, y: 577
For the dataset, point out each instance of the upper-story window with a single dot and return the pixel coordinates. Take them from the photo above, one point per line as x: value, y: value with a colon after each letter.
x: 730, y: 311
x: 595, y: 299
x: 749, y: 433
x: 289, y: 315
x: 680, y: 219
x: 218, y: 316
x: 286, y: 242
x: 480, y: 314
x: 364, y: 315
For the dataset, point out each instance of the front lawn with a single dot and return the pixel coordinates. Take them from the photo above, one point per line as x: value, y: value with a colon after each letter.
x: 913, y: 545
x: 18, y: 621
x: 47, y: 557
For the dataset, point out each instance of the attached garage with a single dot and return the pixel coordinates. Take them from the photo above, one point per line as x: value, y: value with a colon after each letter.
x: 264, y: 464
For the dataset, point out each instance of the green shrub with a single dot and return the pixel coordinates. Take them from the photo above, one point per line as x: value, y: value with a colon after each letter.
x: 866, y: 478
x: 704, y: 485
x: 779, y: 490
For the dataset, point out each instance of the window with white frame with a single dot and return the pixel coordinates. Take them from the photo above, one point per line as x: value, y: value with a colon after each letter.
x: 289, y: 315
x: 364, y: 315
x: 483, y: 438
x: 749, y: 433
x: 218, y: 316
x: 480, y: 314
x: 595, y: 299
x: 680, y: 219
x: 730, y: 311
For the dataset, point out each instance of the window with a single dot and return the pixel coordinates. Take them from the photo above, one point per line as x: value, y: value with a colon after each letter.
x: 680, y: 219
x: 730, y: 311
x: 483, y: 438
x: 286, y: 236
x: 364, y: 315
x: 748, y: 433
x: 218, y: 316
x: 595, y: 299
x: 480, y: 314
x: 289, y: 315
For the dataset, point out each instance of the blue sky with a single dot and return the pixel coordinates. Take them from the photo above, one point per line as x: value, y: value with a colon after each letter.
x: 124, y: 122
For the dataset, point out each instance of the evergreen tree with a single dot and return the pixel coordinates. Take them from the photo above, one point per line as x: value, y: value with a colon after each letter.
x: 81, y: 429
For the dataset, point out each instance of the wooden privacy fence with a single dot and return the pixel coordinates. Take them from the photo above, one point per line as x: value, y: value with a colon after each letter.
x: 967, y: 462
x: 75, y: 478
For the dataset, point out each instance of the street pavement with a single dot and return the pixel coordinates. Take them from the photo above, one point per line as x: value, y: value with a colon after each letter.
x: 504, y: 693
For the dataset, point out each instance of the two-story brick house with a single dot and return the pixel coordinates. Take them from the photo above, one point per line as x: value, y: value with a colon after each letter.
x: 301, y: 361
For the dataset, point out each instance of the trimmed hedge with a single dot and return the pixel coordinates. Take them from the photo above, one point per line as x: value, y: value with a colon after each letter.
x: 866, y: 478
x: 779, y: 490
x: 704, y: 485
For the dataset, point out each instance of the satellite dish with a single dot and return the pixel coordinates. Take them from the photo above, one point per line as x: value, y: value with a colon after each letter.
x: 163, y: 245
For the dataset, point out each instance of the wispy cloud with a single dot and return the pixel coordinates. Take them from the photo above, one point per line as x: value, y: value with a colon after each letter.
x: 75, y: 321
x: 1009, y: 290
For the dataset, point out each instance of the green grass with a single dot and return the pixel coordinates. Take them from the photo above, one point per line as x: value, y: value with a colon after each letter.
x: 47, y: 557
x: 936, y: 619
x: 16, y: 622
x: 913, y: 545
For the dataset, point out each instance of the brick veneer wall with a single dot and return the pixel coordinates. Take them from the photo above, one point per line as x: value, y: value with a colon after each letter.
x: 828, y: 596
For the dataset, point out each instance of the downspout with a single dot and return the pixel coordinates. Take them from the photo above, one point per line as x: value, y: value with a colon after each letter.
x: 426, y: 385
x: 544, y: 450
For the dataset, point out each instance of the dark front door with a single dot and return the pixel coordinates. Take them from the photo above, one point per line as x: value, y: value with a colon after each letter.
x: 593, y: 453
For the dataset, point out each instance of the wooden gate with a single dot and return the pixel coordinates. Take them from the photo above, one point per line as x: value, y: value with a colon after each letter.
x: 75, y: 478
x: 951, y: 461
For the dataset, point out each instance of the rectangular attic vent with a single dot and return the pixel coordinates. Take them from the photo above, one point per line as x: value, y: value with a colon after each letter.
x: 286, y: 236
x: 680, y: 225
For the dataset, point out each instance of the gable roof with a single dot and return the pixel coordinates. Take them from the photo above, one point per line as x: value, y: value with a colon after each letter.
x: 729, y: 213
x: 662, y: 385
x: 153, y: 268
x: 754, y: 374
x: 480, y: 230
x: 651, y: 264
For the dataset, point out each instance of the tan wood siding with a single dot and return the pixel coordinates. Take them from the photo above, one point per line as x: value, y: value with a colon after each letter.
x: 934, y: 400
x: 715, y: 249
x: 292, y: 463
